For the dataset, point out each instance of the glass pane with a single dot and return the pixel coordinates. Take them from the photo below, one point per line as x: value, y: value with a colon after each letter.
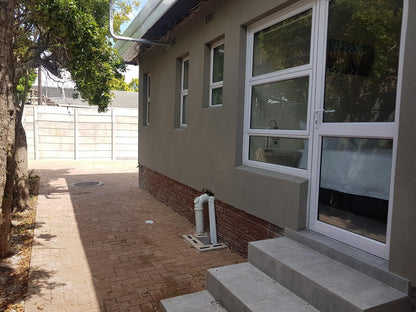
x: 362, y: 60
x: 184, y: 109
x: 185, y: 75
x: 280, y: 105
x: 216, y: 96
x: 147, y: 113
x: 148, y: 86
x: 279, y: 151
x: 283, y: 45
x: 355, y: 185
x: 218, y: 66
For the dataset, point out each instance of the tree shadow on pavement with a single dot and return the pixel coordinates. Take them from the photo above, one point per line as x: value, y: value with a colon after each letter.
x: 131, y: 264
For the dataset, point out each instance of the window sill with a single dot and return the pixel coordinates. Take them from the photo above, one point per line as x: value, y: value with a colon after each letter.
x: 274, y: 174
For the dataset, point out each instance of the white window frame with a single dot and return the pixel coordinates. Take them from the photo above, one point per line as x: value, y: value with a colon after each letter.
x: 184, y: 92
x: 378, y: 130
x: 218, y: 84
x: 306, y: 70
x: 148, y: 101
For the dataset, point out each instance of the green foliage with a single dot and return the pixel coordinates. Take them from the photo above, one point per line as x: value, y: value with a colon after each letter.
x: 25, y: 84
x: 121, y: 85
x: 134, y: 85
x: 27, y: 81
x: 72, y: 35
x: 122, y: 10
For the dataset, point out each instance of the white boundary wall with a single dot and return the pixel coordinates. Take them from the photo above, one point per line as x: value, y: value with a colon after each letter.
x: 81, y: 133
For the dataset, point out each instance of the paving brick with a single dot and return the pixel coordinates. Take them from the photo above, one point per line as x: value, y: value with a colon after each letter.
x: 93, y: 250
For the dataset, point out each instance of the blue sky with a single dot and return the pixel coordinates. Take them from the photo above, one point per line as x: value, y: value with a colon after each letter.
x: 133, y: 14
x: 132, y: 71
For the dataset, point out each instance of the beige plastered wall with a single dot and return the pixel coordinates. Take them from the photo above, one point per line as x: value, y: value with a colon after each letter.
x: 208, y: 152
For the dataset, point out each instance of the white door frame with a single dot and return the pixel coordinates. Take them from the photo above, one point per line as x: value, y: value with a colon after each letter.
x: 353, y: 130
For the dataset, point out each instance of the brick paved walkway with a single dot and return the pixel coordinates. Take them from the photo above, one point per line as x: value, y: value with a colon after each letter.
x: 94, y: 251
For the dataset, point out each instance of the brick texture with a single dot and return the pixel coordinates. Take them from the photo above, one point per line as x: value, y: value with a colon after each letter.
x: 234, y: 226
x: 93, y: 250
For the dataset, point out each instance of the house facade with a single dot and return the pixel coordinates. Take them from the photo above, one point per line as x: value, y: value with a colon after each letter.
x: 295, y: 114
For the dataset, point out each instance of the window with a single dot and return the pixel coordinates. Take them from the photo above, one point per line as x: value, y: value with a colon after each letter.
x: 184, y: 92
x: 216, y: 73
x: 146, y: 100
x: 278, y: 95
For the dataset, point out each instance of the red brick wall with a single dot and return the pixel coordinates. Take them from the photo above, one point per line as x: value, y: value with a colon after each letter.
x: 234, y: 227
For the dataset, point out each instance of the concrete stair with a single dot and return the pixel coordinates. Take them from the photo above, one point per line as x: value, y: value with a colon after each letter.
x: 298, y: 274
x: 243, y: 287
x: 201, y: 301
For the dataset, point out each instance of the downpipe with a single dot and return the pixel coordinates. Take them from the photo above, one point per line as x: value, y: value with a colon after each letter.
x: 199, y: 216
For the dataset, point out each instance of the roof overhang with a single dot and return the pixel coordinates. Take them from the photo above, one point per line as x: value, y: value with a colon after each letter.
x: 153, y: 22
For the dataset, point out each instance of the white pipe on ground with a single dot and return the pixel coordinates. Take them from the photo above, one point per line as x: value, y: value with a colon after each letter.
x: 212, y: 221
x: 199, y: 216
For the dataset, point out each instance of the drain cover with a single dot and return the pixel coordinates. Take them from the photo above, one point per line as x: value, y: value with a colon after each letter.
x: 87, y: 184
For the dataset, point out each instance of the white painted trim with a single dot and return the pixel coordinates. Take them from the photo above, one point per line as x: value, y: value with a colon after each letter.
x: 281, y: 75
x: 305, y: 70
x: 282, y: 15
x: 278, y: 168
x: 361, y: 242
x: 301, y: 134
x: 218, y: 84
x: 357, y: 130
x: 405, y: 18
x: 184, y: 92
x: 148, y: 99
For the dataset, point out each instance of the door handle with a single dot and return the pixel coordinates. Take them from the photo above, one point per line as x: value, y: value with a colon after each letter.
x: 317, y: 118
x: 318, y: 114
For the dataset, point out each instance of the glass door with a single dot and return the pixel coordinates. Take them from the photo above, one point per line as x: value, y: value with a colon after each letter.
x: 355, y: 122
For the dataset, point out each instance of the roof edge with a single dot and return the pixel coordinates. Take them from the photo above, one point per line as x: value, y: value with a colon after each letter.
x: 147, y: 17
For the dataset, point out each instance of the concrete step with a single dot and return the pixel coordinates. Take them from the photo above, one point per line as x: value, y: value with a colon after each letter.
x: 244, y: 288
x: 325, y: 283
x: 200, y: 301
x: 357, y: 259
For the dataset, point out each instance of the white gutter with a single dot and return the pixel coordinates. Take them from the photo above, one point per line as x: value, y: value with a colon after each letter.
x: 147, y: 17
x: 139, y: 40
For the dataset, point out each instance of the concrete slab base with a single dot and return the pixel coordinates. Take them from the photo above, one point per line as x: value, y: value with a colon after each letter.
x: 202, y: 242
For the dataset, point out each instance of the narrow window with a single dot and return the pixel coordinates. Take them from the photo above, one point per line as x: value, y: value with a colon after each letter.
x: 147, y: 100
x: 216, y: 74
x: 184, y: 92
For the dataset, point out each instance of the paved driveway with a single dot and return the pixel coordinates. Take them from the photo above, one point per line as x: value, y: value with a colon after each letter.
x: 94, y: 250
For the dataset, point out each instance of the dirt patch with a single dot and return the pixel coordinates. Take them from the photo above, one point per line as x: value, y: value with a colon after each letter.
x: 14, y: 271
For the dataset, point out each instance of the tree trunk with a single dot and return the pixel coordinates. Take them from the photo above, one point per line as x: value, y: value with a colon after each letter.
x: 7, y: 118
x: 21, y: 180
x: 6, y: 207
